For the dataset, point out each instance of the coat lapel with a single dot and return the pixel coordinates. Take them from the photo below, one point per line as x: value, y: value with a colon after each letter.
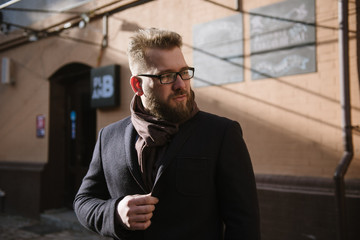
x: 131, y: 156
x: 174, y: 147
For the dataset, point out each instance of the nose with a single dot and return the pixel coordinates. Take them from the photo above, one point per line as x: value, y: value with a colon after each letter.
x: 179, y: 83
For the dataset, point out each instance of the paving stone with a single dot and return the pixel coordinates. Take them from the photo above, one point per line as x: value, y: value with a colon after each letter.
x: 21, y: 228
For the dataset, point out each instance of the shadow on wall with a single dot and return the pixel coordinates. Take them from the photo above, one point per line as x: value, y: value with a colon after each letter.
x: 294, y: 180
x: 274, y: 150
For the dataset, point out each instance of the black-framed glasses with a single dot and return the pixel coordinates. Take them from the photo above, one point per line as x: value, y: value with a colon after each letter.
x: 170, y: 77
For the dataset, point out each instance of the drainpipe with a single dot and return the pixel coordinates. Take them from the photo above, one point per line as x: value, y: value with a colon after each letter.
x: 346, y: 121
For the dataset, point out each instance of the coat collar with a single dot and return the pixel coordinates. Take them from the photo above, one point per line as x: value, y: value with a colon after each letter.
x: 131, y: 155
x: 174, y: 147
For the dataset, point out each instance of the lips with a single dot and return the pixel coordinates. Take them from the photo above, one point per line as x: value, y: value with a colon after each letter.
x: 180, y: 97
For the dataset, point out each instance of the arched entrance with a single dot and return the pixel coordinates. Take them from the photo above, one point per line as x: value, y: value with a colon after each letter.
x: 72, y: 135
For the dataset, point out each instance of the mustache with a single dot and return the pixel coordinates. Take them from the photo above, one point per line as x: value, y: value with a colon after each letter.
x: 179, y: 92
x: 190, y: 95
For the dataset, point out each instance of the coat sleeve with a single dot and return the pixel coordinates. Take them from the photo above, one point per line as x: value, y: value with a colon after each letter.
x: 93, y: 205
x: 237, y: 188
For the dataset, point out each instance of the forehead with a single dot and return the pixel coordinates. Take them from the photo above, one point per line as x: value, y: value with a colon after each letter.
x: 165, y: 59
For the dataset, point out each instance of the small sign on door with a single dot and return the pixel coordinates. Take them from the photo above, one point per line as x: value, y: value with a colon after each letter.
x: 40, y: 126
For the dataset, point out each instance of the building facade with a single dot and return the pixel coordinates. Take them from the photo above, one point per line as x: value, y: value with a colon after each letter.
x: 272, y: 65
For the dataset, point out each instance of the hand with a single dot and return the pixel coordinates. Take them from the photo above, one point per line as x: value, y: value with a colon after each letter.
x: 135, y: 211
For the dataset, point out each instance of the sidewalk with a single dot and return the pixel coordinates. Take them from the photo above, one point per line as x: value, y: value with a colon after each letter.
x: 53, y: 225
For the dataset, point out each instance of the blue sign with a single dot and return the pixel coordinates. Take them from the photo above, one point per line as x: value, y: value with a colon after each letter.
x: 73, y: 124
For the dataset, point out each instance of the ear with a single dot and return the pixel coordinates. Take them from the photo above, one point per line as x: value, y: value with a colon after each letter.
x: 135, y: 83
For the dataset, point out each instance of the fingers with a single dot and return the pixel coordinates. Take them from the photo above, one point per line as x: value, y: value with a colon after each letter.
x: 140, y: 222
x: 143, y: 200
x: 141, y: 217
x: 143, y: 209
x: 135, y: 211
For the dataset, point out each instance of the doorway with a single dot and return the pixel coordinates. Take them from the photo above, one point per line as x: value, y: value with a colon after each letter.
x: 72, y: 134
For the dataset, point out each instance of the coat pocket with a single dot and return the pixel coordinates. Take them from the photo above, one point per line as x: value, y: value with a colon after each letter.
x: 192, y: 175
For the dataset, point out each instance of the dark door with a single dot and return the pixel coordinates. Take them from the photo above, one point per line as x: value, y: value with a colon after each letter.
x: 80, y: 130
x: 72, y: 135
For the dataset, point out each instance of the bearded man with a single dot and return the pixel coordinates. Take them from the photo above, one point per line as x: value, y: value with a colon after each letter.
x: 168, y: 171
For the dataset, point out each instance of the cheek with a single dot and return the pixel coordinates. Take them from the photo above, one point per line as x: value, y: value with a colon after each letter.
x: 162, y: 92
x: 188, y: 85
x: 155, y: 94
x: 149, y: 90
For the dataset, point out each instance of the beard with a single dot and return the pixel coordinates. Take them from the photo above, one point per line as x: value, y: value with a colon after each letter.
x: 175, y: 114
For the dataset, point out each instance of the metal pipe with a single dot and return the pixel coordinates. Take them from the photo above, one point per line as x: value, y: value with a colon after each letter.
x: 346, y: 120
x: 105, y: 31
x: 55, y: 30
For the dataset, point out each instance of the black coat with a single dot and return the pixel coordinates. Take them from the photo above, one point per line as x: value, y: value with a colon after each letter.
x: 205, y: 183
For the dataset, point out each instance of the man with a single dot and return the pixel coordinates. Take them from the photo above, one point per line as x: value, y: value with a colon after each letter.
x: 169, y: 171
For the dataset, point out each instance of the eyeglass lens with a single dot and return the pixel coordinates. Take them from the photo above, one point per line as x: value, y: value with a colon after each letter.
x: 171, y: 77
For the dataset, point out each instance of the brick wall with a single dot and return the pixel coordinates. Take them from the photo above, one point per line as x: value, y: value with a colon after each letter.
x: 292, y: 124
x: 300, y: 208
